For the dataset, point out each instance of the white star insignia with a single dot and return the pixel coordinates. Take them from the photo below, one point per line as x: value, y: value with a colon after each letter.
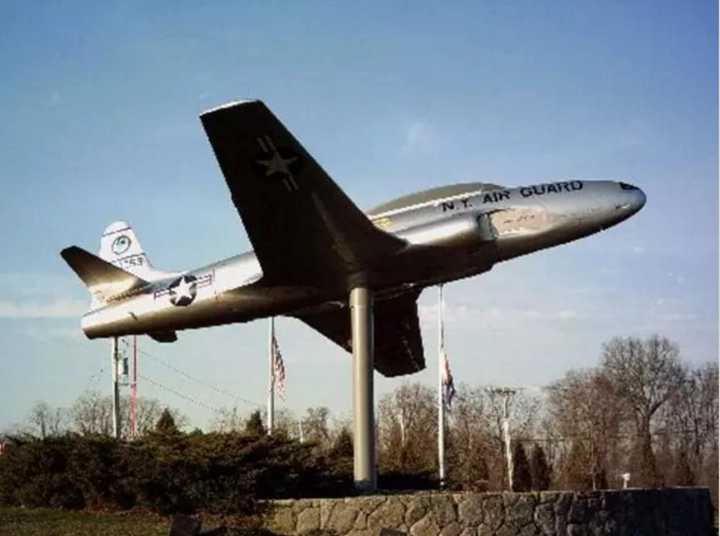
x: 183, y: 291
x: 277, y: 164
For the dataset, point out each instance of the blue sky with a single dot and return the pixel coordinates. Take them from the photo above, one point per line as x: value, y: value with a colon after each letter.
x: 100, y: 105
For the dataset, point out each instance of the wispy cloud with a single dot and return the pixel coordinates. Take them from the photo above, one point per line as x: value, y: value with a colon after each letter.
x: 676, y: 278
x: 64, y: 334
x: 493, y: 318
x: 419, y: 137
x: 562, y: 314
x: 61, y: 308
x: 40, y: 286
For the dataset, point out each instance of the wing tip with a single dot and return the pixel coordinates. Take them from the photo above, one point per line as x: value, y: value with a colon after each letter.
x: 231, y: 104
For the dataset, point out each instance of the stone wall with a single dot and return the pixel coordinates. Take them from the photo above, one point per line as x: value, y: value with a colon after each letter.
x: 675, y: 511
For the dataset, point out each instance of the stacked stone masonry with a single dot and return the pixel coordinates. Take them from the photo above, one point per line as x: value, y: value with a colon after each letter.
x: 675, y: 511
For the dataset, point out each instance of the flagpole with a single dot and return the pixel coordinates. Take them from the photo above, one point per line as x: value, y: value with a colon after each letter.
x: 441, y: 401
x: 271, y: 378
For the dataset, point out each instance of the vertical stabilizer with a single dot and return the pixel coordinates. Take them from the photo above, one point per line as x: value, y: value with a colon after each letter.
x: 120, y: 246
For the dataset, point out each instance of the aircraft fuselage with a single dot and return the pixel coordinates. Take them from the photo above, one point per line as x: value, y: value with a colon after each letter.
x: 446, y: 238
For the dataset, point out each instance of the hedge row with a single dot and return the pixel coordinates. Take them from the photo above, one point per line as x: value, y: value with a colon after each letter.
x: 167, y: 473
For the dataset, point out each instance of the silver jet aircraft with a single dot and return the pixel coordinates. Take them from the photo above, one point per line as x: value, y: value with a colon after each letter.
x: 313, y: 245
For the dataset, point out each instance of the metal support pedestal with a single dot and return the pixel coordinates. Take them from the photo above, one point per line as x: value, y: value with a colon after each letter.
x: 116, y: 388
x: 361, y: 320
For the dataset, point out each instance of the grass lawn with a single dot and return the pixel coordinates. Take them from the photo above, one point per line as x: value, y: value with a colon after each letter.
x: 48, y: 522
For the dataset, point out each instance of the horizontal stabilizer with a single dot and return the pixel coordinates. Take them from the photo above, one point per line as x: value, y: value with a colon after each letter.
x: 104, y: 280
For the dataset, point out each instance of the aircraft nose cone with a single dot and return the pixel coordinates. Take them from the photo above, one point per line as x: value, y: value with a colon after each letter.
x: 637, y: 200
x: 641, y: 199
x: 635, y: 197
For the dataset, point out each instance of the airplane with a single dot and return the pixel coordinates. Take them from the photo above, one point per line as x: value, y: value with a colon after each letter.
x: 313, y: 245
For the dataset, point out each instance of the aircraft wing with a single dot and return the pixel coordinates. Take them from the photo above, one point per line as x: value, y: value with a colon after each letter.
x: 398, y: 343
x: 303, y: 228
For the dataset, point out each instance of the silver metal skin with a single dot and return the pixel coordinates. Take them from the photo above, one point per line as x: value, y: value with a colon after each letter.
x: 361, y: 314
x: 467, y: 234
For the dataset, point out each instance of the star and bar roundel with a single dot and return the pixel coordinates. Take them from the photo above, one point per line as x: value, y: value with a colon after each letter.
x: 278, y: 163
x: 183, y: 290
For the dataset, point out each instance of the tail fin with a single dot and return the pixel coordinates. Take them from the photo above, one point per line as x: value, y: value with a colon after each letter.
x: 120, y: 246
x: 104, y: 280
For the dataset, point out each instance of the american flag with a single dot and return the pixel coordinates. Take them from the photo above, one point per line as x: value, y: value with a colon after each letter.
x: 448, y: 386
x: 278, y: 369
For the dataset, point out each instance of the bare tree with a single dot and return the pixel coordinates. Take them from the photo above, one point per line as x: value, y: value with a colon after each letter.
x: 407, y: 426
x: 46, y: 420
x: 285, y: 423
x: 586, y: 412
x: 233, y: 419
x: 469, y: 444
x: 340, y: 429
x: 229, y: 420
x: 645, y: 374
x: 148, y: 411
x: 315, y: 426
x: 92, y: 413
x: 525, y: 413
x: 691, y: 422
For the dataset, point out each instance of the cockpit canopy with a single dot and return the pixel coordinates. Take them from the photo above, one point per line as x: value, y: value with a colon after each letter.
x: 433, y: 194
